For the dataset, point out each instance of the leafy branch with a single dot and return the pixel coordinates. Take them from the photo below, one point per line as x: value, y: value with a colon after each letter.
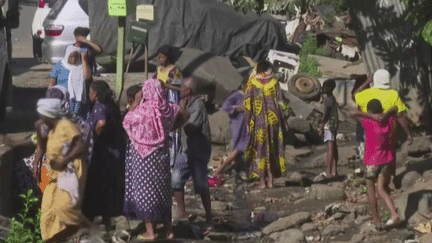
x: 25, y: 227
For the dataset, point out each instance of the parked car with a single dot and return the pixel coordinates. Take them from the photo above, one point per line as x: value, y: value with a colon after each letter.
x: 38, y: 34
x: 59, y: 25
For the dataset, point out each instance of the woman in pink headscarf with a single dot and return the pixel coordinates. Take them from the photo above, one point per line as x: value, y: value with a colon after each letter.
x: 148, y: 191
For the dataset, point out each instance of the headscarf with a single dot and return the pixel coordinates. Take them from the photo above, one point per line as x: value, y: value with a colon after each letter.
x: 51, y: 108
x: 76, y: 76
x: 149, y: 123
x: 61, y: 93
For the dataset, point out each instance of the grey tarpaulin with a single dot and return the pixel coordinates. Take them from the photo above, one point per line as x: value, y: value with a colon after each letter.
x: 207, y: 25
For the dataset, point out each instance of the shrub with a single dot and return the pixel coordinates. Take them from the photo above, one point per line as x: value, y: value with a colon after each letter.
x: 309, y: 64
x: 26, y: 227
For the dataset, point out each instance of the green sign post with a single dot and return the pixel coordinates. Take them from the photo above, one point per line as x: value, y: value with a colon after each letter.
x: 120, y: 8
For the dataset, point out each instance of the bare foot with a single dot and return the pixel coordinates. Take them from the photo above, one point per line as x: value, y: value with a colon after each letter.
x: 182, y: 217
x: 262, y: 186
x: 170, y: 236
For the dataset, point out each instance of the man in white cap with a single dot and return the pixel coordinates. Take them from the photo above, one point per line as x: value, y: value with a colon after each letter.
x: 388, y: 97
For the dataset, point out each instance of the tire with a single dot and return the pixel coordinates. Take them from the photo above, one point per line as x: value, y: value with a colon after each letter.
x: 37, y: 48
x: 7, y: 80
x: 304, y: 86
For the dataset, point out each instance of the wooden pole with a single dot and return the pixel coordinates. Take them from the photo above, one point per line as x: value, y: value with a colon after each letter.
x: 120, y: 56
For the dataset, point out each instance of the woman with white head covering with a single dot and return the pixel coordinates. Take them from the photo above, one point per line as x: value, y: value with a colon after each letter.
x: 74, y: 73
x: 61, y: 215
x: 31, y: 172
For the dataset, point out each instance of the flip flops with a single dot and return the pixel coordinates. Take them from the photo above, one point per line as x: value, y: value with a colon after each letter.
x: 143, y: 238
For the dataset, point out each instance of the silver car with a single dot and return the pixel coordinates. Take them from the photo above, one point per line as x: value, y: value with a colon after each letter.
x: 59, y: 25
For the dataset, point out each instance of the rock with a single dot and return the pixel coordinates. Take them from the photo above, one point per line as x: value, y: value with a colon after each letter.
x: 419, y: 147
x: 362, y: 219
x: 5, y: 222
x: 338, y: 216
x: 295, y: 176
x: 427, y: 174
x: 291, y: 236
x: 427, y: 238
x: 333, y: 230
x: 308, y: 227
x: 287, y: 222
x: 350, y: 218
x: 337, y: 184
x: 299, y: 125
x: 220, y: 127
x: 414, y: 203
x: 257, y: 234
x: 216, y: 236
x: 346, y: 154
x: 296, y: 154
x: 425, y: 203
x: 357, y: 238
x: 301, y: 138
x: 219, y: 206
x: 368, y: 228
x: 332, y: 208
x: 324, y: 192
x: 410, y: 179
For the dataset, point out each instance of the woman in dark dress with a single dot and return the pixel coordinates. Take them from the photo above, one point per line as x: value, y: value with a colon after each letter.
x: 105, y: 181
x: 148, y: 179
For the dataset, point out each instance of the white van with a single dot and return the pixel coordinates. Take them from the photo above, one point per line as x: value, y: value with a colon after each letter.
x: 59, y: 25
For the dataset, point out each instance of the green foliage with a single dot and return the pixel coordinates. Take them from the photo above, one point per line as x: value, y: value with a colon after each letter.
x: 24, y: 227
x: 282, y: 6
x: 309, y: 64
x: 339, y: 5
x: 386, y: 215
x: 363, y: 190
x: 427, y: 32
x: 419, y: 12
x: 245, y: 6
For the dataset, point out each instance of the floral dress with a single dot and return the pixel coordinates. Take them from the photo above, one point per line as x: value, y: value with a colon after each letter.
x: 264, y: 107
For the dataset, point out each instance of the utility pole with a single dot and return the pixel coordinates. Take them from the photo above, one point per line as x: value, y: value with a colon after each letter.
x: 120, y: 56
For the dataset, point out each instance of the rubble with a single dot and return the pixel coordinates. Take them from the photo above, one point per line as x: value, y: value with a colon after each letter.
x: 287, y: 222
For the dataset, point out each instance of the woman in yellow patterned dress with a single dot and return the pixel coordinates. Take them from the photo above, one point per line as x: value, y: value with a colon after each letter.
x: 61, y: 215
x: 264, y: 109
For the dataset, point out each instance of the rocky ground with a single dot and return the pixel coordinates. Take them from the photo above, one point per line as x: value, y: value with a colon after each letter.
x: 298, y: 210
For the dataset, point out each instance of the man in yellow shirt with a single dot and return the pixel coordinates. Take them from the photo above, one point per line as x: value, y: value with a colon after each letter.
x: 388, y: 97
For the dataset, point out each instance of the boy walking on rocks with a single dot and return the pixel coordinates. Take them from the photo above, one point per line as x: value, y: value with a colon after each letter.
x: 379, y: 156
x: 329, y: 126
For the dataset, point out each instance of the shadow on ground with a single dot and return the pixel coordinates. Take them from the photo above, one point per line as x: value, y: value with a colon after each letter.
x: 23, y: 114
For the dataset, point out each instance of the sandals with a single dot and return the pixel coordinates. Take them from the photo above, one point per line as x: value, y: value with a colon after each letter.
x: 208, y: 230
x: 143, y: 238
x: 322, y: 176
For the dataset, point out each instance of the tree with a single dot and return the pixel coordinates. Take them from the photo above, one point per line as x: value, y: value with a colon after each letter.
x: 420, y: 13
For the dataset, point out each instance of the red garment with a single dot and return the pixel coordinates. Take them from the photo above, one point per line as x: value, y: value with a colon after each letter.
x: 379, y: 144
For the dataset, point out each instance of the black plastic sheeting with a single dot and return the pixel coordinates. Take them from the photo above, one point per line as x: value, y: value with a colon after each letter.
x: 207, y: 25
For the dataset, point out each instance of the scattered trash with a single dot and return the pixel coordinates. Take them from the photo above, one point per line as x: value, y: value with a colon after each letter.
x: 424, y: 228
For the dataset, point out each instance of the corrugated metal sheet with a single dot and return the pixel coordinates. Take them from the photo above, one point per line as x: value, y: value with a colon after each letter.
x: 387, y: 41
